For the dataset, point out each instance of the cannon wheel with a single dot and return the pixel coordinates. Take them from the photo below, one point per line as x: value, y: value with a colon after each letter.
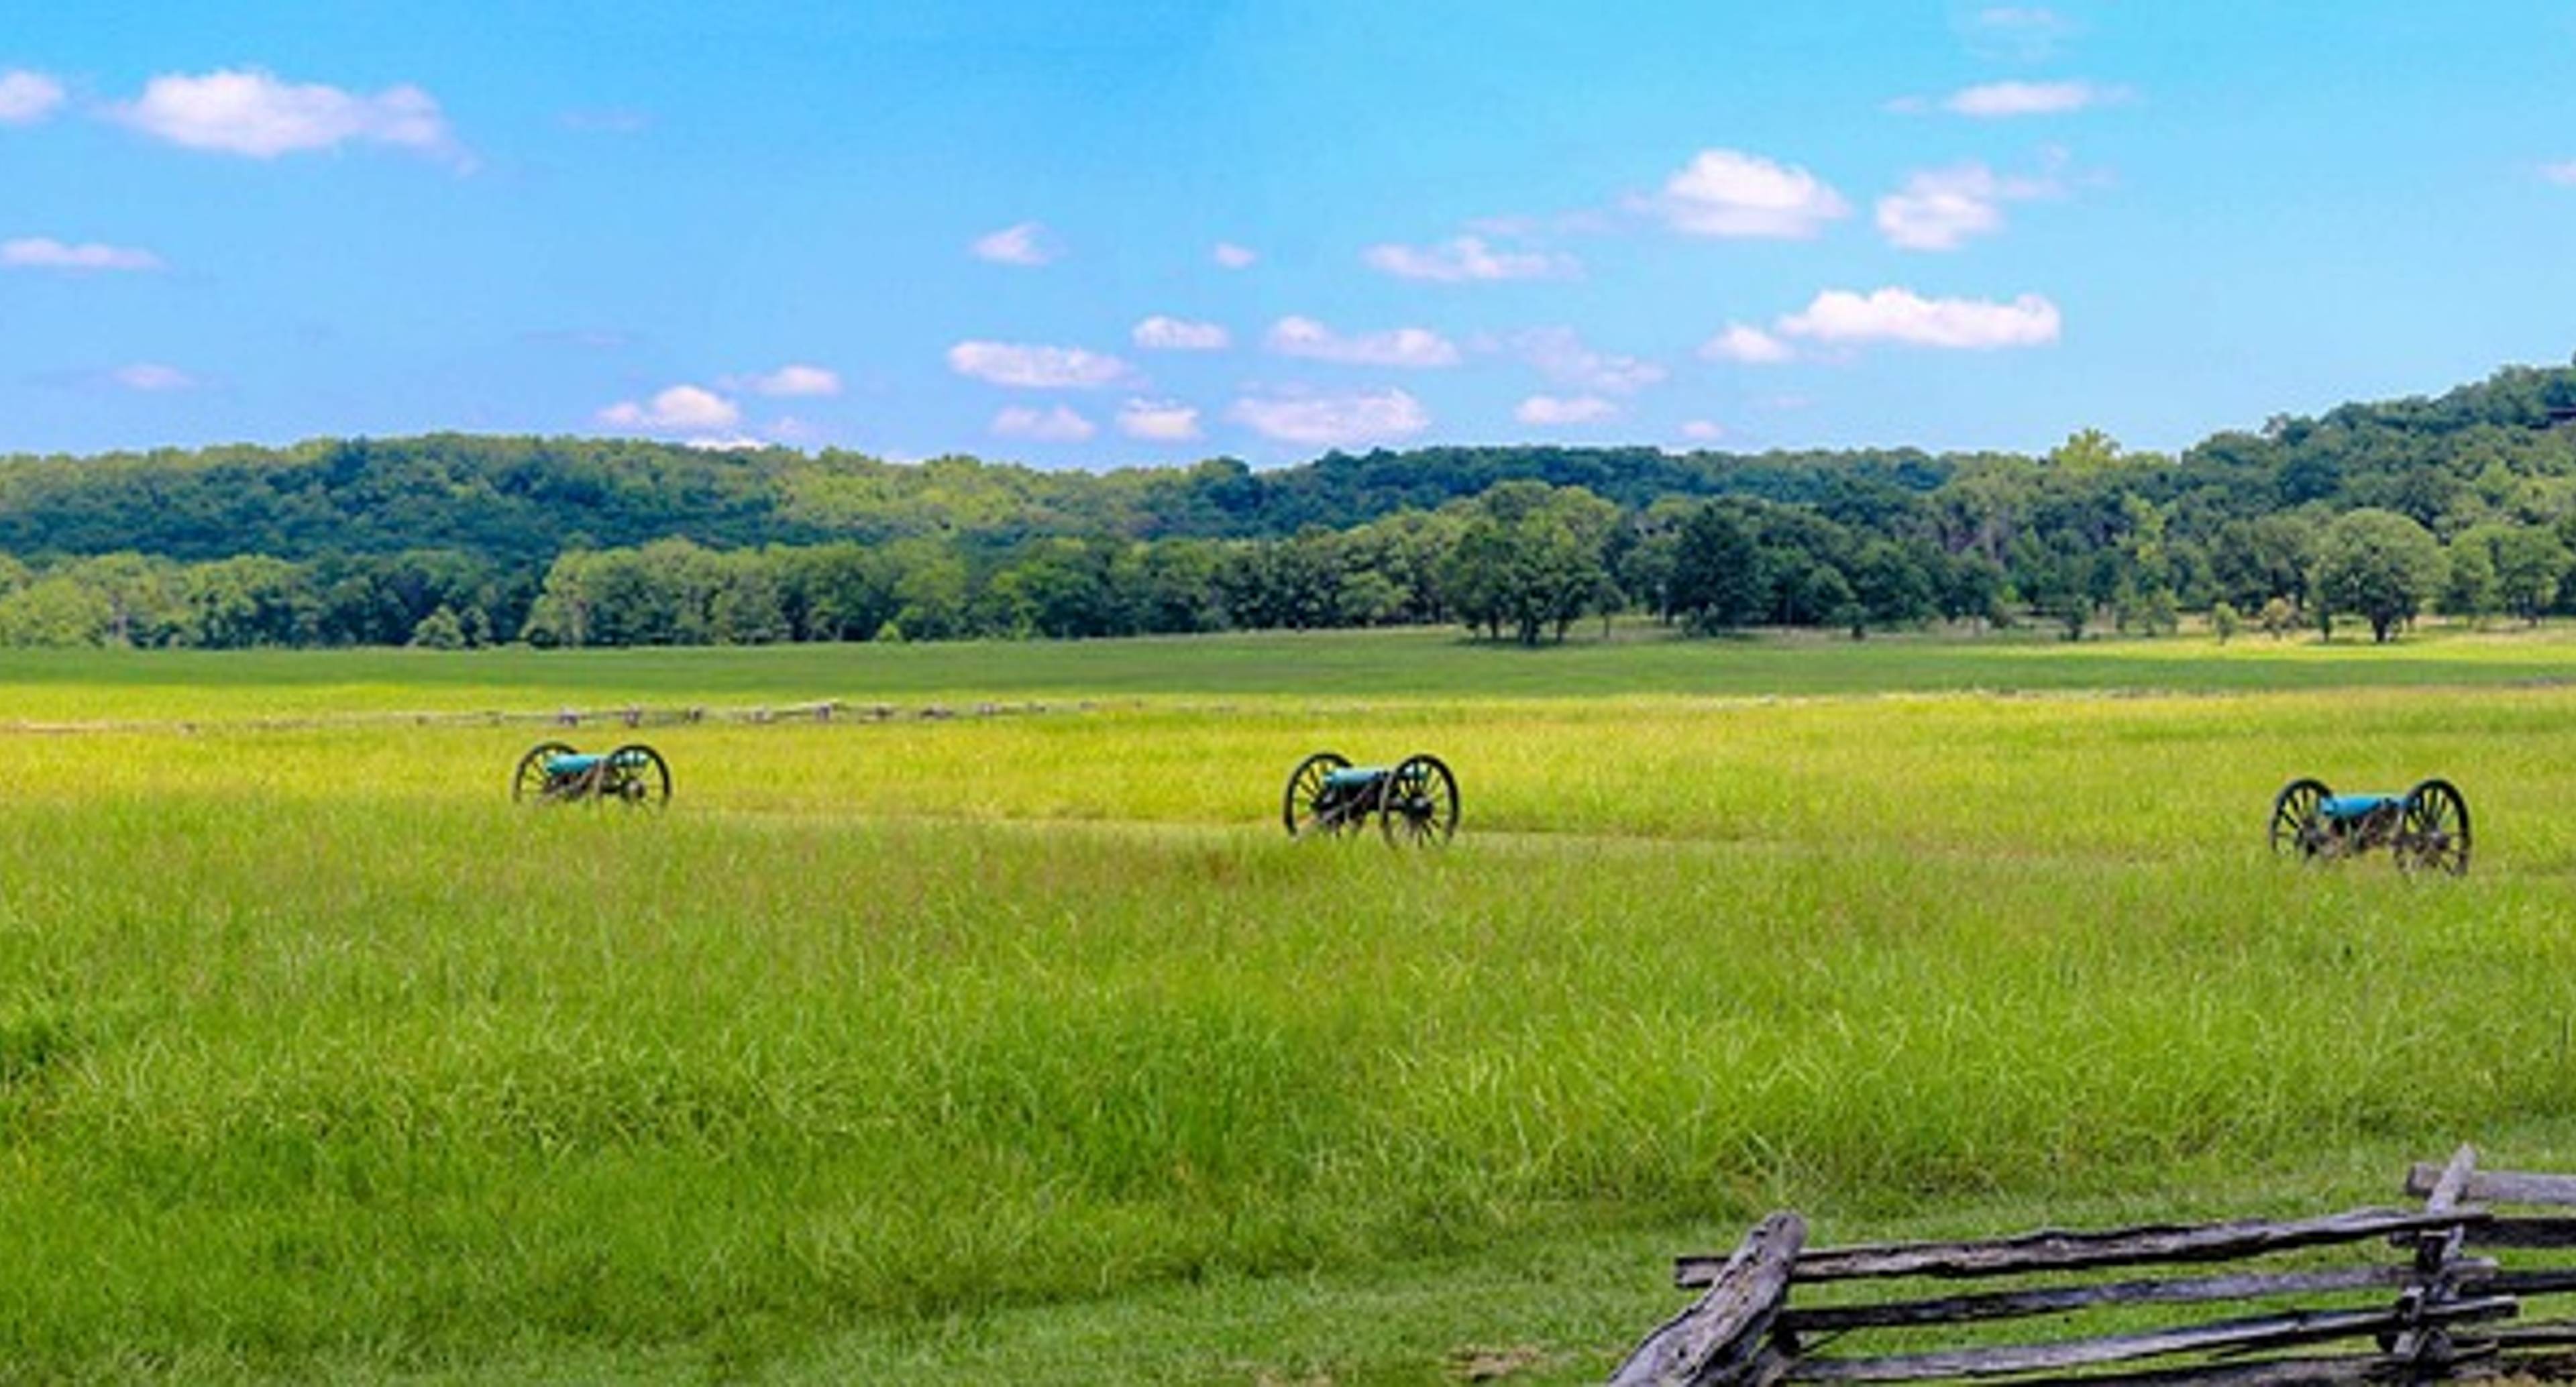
x: 529, y: 780
x: 636, y: 774
x: 2295, y: 825
x: 1306, y: 792
x: 1419, y: 802
x: 2434, y: 832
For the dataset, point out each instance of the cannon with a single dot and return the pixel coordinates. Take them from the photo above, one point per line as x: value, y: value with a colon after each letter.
x: 2426, y: 828
x: 1415, y: 800
x: 553, y: 773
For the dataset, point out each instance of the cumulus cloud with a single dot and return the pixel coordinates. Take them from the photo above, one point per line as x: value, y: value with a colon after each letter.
x: 1463, y: 259
x: 1161, y: 334
x: 152, y: 378
x: 1939, y: 209
x: 252, y: 113
x: 1703, y: 430
x: 1332, y: 421
x: 1995, y: 100
x: 1404, y: 346
x: 1037, y: 368
x: 1159, y: 421
x: 1562, y: 356
x: 46, y: 253
x: 1746, y: 345
x: 27, y: 97
x: 1055, y: 424
x: 1026, y: 244
x: 1725, y: 192
x: 1233, y: 257
x: 726, y: 443
x: 1548, y: 410
x: 680, y: 409
x: 790, y: 381
x: 1906, y: 318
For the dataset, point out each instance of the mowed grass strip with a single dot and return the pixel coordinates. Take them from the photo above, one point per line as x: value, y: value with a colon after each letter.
x: 88, y: 686
x: 313, y: 1050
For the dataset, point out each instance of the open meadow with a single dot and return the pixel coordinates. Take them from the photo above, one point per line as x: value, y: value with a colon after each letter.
x: 1028, y: 1047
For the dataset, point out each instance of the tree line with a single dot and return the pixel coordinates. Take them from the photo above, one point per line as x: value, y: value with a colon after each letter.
x: 2465, y: 505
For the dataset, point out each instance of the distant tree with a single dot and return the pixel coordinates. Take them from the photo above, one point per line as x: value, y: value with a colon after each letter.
x: 2468, y: 581
x: 2378, y: 565
x: 1716, y: 571
x: 2530, y: 568
x: 2225, y: 621
x: 1530, y: 560
x: 1972, y: 589
x: 1892, y: 587
x: 2279, y: 618
x: 440, y: 630
x: 55, y: 611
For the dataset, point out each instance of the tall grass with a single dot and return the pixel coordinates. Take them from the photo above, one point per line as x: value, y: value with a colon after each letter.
x: 313, y: 1049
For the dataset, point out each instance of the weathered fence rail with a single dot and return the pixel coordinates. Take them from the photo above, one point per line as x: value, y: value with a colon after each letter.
x: 2430, y: 1312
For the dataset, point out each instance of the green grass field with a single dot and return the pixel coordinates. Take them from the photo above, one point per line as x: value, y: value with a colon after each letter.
x: 1029, y: 1048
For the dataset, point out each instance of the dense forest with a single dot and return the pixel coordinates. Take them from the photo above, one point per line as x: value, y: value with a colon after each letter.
x: 2463, y: 504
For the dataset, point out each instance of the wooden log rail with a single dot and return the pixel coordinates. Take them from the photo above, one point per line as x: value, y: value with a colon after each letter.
x: 2440, y: 1312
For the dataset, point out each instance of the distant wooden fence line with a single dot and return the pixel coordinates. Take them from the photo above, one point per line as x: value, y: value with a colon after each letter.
x: 630, y: 715
x: 2441, y: 1314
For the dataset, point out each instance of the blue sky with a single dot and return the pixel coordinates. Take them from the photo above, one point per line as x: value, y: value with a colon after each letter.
x: 1153, y: 232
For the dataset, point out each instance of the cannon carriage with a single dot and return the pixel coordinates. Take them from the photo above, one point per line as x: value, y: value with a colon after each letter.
x: 554, y: 773
x: 1415, y: 801
x: 2424, y: 829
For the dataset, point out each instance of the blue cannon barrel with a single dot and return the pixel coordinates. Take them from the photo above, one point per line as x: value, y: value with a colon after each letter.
x: 2355, y: 806
x: 573, y: 764
x: 1354, y: 777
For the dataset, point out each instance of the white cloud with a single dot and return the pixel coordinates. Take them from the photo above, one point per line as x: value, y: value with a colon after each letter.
x: 1998, y: 99
x: 1404, y: 346
x: 2562, y: 174
x: 1905, y: 317
x: 1703, y: 430
x: 2026, y: 32
x: 1560, y: 354
x: 1725, y: 192
x: 45, y: 253
x: 1546, y: 410
x: 252, y: 113
x: 1462, y: 259
x: 152, y: 378
x: 680, y: 409
x: 1055, y: 424
x: 1939, y: 209
x: 27, y: 97
x: 1161, y: 334
x: 1232, y: 256
x: 790, y: 381
x: 1025, y: 244
x: 1746, y: 346
x: 1037, y: 368
x: 726, y: 443
x: 1333, y: 421
x: 1160, y: 421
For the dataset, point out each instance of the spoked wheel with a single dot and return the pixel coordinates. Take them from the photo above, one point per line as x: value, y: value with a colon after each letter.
x: 636, y: 774
x: 2298, y: 819
x: 2434, y: 834
x: 529, y: 780
x: 1419, y: 802
x: 1302, y: 808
